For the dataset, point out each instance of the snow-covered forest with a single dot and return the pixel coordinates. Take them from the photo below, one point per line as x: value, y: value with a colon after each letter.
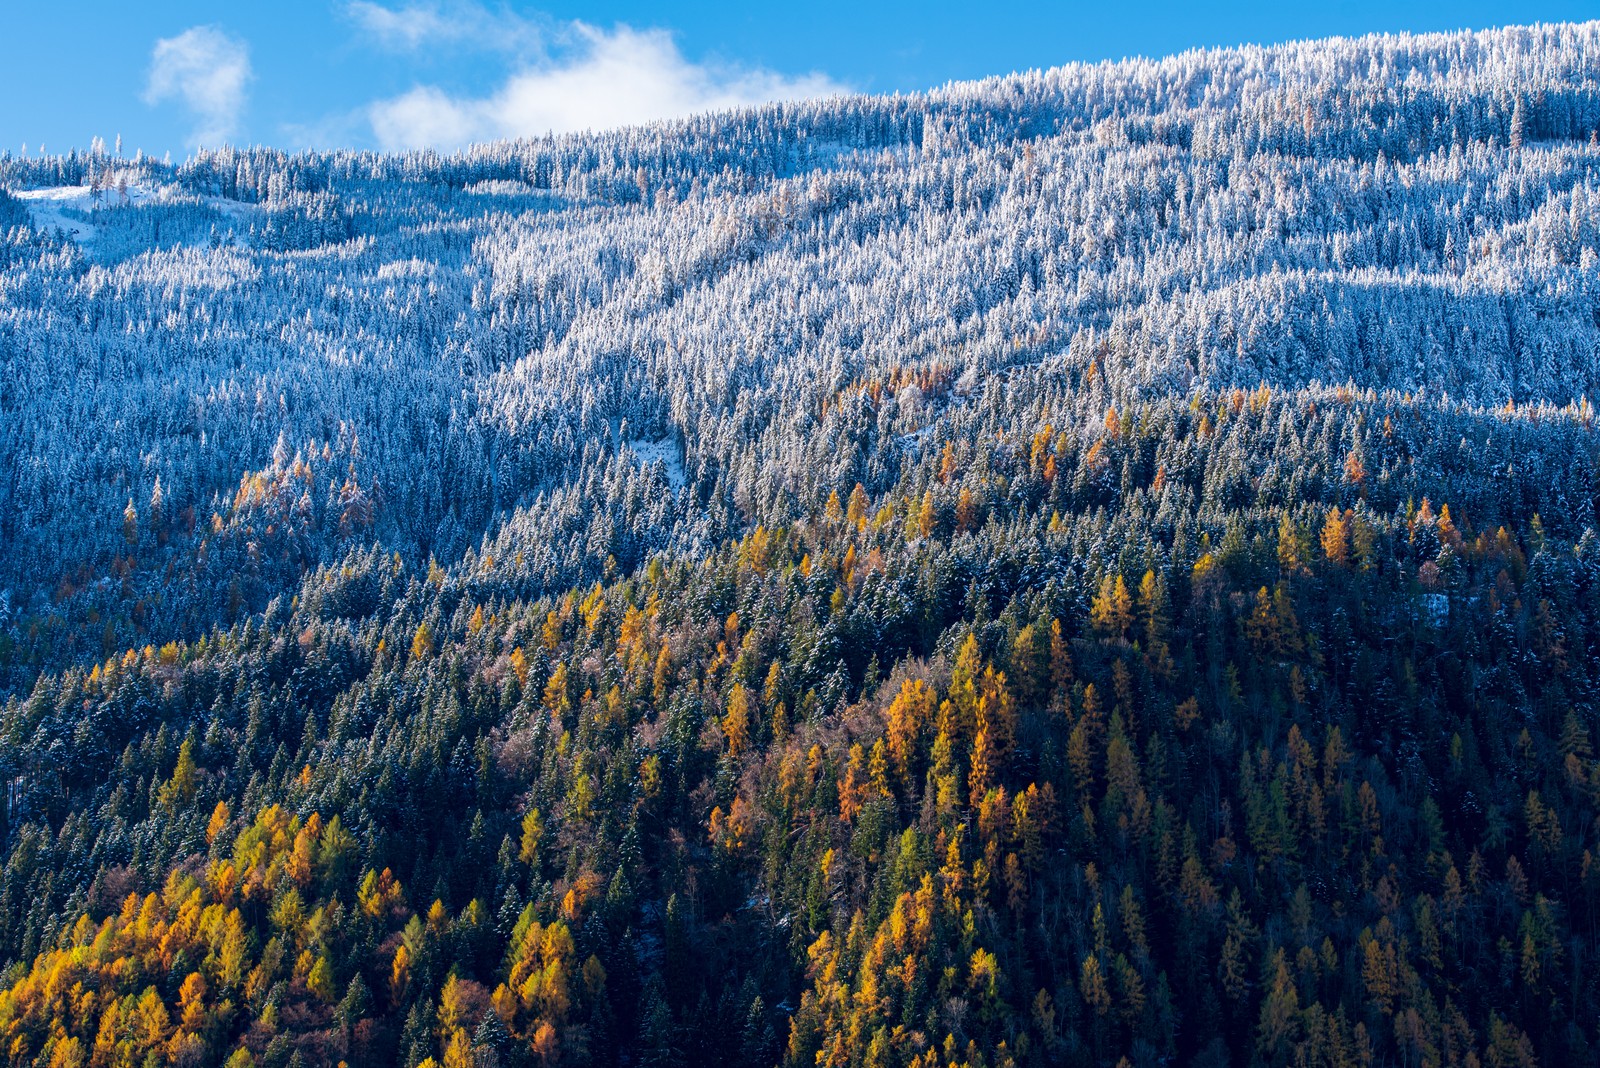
x: 480, y: 352
x: 744, y: 428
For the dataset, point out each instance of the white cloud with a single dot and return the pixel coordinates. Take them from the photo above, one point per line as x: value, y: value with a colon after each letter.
x: 427, y: 118
x: 408, y: 28
x: 601, y: 80
x: 207, y: 70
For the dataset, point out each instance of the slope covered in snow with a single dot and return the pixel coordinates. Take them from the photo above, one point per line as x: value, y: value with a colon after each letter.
x: 800, y: 294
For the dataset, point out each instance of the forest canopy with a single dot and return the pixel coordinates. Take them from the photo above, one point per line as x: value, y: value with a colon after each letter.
x: 1095, y: 566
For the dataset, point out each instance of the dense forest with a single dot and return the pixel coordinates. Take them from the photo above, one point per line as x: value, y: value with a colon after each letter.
x: 1092, y: 567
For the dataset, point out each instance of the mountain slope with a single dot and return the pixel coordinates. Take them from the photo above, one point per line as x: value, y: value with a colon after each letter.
x: 470, y: 335
x: 1085, y: 565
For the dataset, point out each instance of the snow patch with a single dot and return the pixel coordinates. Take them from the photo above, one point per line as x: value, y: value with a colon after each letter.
x: 58, y: 208
x: 1437, y: 605
x: 664, y: 452
x: 502, y: 187
x: 915, y: 439
x: 68, y: 207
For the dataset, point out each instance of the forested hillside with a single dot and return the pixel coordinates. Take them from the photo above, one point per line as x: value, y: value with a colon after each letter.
x: 1087, y: 567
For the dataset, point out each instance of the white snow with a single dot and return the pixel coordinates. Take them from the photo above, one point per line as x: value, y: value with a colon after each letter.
x: 915, y: 439
x: 63, y: 206
x: 49, y: 208
x: 1438, y: 608
x: 666, y: 452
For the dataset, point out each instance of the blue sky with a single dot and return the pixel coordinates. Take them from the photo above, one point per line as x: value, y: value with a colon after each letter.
x: 398, y: 73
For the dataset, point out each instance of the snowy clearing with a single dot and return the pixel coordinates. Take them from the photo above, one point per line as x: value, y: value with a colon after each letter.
x: 49, y: 208
x: 65, y: 207
x: 666, y: 452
